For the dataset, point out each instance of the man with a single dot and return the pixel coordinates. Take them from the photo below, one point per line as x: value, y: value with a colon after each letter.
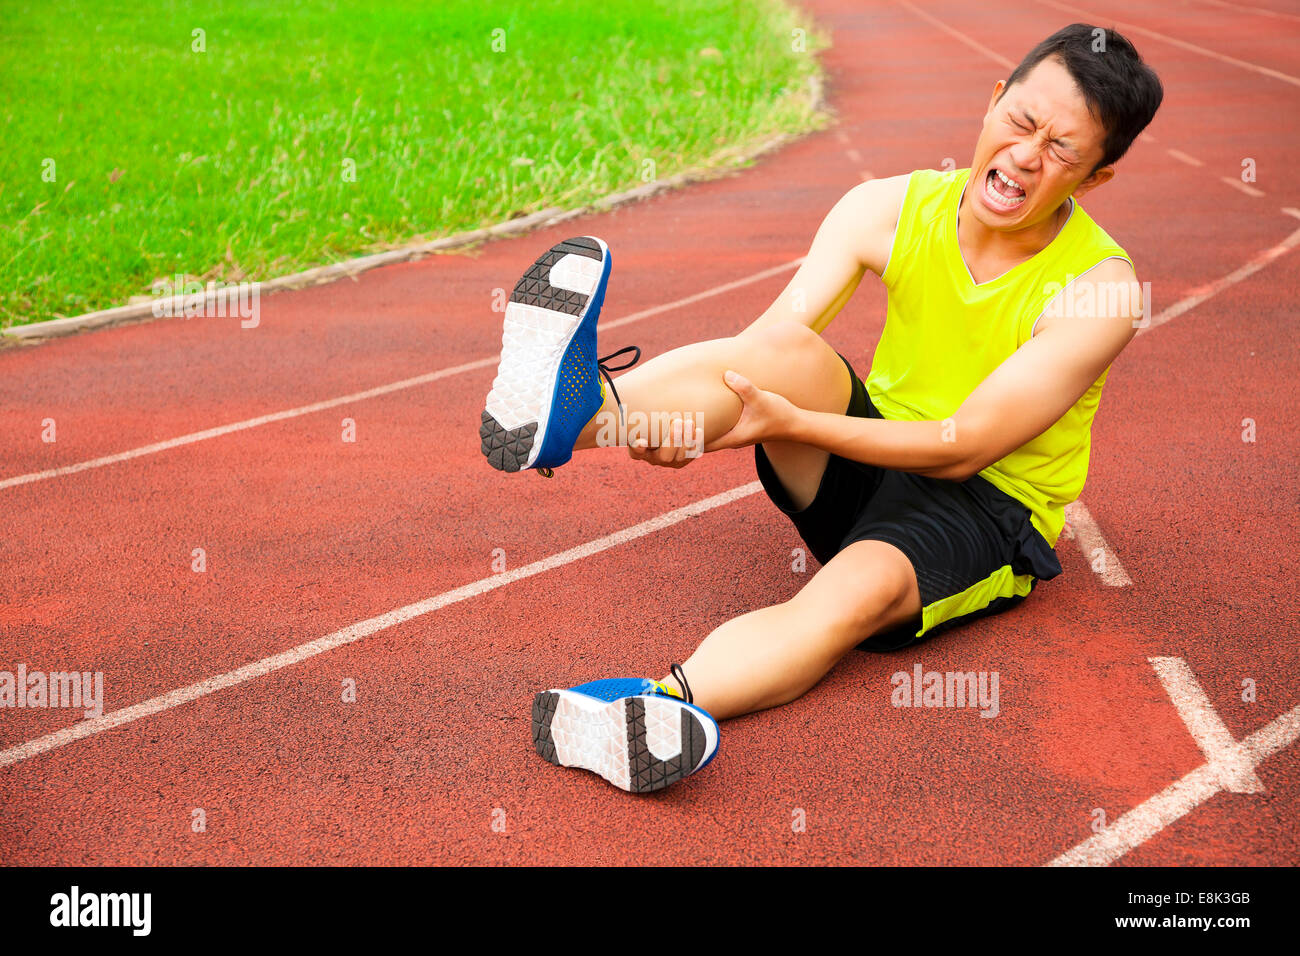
x: 932, y: 491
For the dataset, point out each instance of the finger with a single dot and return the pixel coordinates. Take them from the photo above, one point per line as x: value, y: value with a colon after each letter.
x: 691, y: 435
x: 664, y: 452
x: 679, y: 447
x: 738, y: 383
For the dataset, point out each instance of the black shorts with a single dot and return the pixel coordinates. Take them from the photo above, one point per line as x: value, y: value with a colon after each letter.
x: 973, y: 547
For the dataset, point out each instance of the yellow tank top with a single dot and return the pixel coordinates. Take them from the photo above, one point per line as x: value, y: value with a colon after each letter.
x: 944, y: 334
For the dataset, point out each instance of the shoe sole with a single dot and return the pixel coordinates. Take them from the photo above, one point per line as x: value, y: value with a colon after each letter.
x: 548, y: 306
x: 639, y: 744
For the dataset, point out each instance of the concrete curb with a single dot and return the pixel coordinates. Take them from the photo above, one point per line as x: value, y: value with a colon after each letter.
x: 175, y: 304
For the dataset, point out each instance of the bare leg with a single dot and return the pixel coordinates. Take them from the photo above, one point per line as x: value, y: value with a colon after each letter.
x: 773, y: 655
x: 789, y: 359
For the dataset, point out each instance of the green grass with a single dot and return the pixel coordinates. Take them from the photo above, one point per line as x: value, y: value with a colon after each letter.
x: 229, y: 164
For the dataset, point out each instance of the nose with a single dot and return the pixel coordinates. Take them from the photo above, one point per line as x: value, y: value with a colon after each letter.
x: 1027, y: 155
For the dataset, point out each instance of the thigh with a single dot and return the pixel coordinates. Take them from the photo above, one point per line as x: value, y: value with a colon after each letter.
x: 798, y: 468
x: 831, y: 509
x: 967, y: 562
x: 820, y: 379
x: 822, y: 495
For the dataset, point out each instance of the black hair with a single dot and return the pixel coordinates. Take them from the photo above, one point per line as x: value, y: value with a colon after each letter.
x: 1121, y: 91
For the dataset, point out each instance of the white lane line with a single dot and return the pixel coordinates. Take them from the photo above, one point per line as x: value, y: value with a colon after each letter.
x: 1244, y: 187
x: 1185, y: 305
x: 356, y: 632
x: 957, y: 34
x: 1143, y: 31
x: 1096, y: 550
x: 217, y: 432
x: 706, y: 294
x: 1177, y: 800
x: 855, y: 156
x: 1236, y: 773
x: 1204, y: 292
x: 1182, y: 157
x: 418, y: 380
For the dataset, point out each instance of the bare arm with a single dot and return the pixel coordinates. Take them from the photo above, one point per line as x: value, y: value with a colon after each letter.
x: 856, y: 236
x: 1020, y: 400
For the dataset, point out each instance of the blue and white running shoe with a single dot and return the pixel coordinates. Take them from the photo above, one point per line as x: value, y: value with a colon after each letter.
x: 638, y: 734
x: 548, y: 383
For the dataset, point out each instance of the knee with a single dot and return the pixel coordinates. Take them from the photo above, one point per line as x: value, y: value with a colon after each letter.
x: 877, y: 603
x: 785, y: 339
x: 791, y: 358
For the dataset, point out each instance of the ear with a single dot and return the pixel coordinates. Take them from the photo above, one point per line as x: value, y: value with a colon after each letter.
x: 998, y: 87
x: 1097, y: 177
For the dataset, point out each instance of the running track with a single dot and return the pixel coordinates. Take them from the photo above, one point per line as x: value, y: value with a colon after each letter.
x: 1123, y: 697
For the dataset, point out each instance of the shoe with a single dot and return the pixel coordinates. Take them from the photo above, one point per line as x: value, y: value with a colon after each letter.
x: 548, y: 384
x: 638, y: 734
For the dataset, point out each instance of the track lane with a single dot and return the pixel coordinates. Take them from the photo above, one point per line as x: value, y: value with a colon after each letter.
x: 1081, y: 653
x: 413, y: 770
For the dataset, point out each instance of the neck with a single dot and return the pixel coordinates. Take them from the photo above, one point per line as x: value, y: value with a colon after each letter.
x: 979, y: 241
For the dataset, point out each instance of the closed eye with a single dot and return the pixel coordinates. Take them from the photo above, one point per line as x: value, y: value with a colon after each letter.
x: 1062, y: 158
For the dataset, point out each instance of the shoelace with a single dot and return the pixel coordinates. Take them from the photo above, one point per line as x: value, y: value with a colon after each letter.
x: 605, y: 369
x: 679, y: 675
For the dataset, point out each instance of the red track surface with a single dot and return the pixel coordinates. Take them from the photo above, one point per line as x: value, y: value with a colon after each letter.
x: 306, y: 534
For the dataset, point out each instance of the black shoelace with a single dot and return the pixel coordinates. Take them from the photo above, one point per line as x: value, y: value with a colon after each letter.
x: 605, y: 369
x: 679, y: 675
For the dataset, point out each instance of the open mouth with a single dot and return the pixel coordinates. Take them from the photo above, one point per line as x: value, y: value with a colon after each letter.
x: 1002, y: 190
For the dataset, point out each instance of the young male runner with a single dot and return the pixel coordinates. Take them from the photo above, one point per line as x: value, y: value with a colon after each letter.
x: 932, y: 491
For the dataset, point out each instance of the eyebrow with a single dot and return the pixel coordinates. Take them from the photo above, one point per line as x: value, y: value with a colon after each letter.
x: 1059, y: 141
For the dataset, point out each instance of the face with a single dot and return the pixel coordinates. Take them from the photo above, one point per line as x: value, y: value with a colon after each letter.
x: 1038, y: 146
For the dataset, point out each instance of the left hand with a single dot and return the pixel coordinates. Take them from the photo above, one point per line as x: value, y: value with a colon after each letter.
x: 766, y: 416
